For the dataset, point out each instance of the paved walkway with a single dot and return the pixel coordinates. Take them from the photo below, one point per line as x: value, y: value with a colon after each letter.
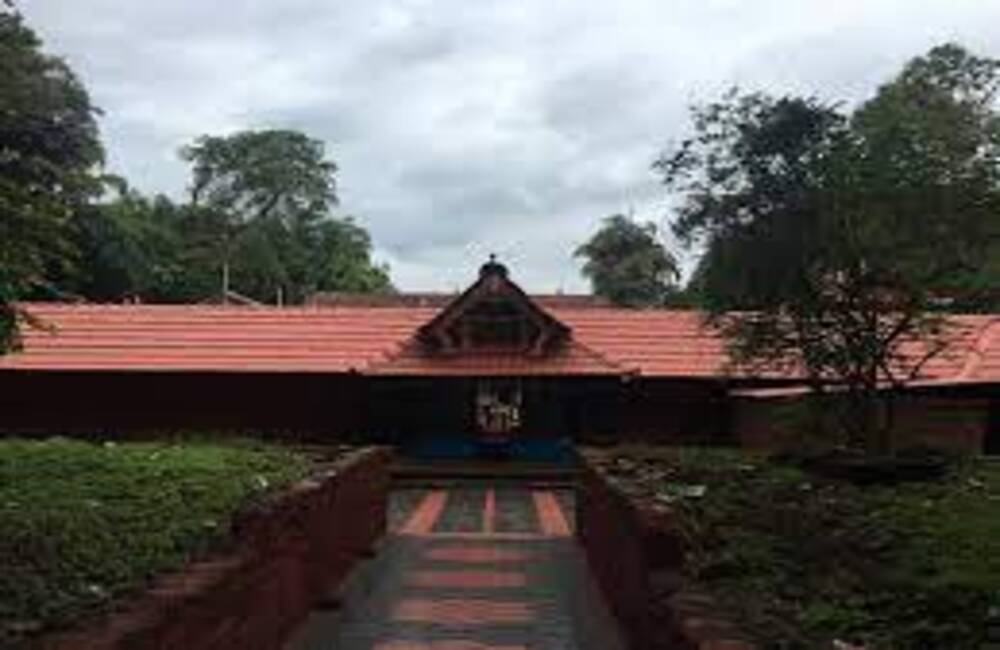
x: 480, y: 567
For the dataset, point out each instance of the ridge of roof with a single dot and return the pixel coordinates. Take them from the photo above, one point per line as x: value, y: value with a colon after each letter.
x: 319, y: 308
x: 210, y: 307
x: 441, y: 298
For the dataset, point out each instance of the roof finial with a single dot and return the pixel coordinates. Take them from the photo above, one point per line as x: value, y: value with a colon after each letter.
x: 493, y: 267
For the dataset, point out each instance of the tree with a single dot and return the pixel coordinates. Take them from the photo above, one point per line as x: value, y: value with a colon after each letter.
x: 253, y: 175
x: 830, y: 237
x: 273, y: 231
x: 128, y: 246
x: 261, y: 202
x: 49, y: 151
x: 341, y: 260
x: 931, y: 140
x: 240, y: 181
x: 627, y: 264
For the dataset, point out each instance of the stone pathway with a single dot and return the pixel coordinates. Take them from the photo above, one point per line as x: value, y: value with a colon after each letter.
x: 480, y: 567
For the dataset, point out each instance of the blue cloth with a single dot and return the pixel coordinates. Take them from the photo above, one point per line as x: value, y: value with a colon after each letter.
x: 463, y: 445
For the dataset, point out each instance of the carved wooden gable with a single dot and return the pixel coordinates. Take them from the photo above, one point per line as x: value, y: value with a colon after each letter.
x: 494, y: 313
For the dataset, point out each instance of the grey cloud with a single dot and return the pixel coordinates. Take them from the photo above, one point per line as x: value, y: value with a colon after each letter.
x: 464, y: 128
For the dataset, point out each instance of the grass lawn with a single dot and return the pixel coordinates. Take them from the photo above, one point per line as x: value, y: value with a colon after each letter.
x: 83, y: 524
x: 799, y: 561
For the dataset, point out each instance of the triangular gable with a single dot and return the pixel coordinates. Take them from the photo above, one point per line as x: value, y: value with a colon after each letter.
x: 493, y: 313
x: 572, y: 358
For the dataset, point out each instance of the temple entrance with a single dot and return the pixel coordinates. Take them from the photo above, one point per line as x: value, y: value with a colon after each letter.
x: 491, y: 376
x: 515, y: 418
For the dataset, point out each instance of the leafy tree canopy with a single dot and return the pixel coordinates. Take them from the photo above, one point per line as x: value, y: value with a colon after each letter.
x: 626, y: 263
x: 250, y: 175
x: 49, y: 152
x: 271, y: 232
x: 930, y: 141
x: 260, y: 203
x: 128, y: 246
x: 832, y: 238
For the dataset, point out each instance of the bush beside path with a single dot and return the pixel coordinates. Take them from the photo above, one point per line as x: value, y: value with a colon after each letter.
x: 84, y: 525
x: 801, y: 561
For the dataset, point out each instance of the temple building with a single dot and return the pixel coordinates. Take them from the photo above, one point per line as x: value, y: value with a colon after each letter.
x: 492, y: 371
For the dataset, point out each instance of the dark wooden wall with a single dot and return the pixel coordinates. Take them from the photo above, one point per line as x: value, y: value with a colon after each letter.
x: 340, y: 406
x: 670, y: 411
x: 553, y: 406
x: 113, y: 403
x: 991, y: 445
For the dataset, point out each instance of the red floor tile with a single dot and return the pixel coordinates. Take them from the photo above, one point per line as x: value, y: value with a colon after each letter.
x: 443, y: 645
x: 462, y: 611
x: 475, y: 554
x: 550, y: 515
x: 489, y: 512
x: 468, y: 579
x: 426, y: 514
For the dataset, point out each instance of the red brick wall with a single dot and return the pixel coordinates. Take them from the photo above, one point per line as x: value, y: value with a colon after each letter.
x: 287, y: 555
x: 945, y: 421
x: 636, y: 553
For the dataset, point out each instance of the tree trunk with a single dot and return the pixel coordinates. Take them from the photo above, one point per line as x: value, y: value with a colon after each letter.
x: 887, y: 427
x: 877, y: 442
x: 857, y: 418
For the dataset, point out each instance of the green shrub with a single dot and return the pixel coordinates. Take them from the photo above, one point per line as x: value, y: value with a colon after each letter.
x: 83, y: 524
x: 800, y: 559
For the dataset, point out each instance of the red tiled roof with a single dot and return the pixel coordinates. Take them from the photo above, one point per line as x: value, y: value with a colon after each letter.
x: 653, y: 342
x: 379, y: 340
x: 211, y: 338
x: 958, y: 362
x: 678, y: 343
x: 983, y: 361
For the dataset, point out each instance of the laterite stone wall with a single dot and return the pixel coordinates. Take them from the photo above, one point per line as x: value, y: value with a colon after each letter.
x: 287, y: 556
x: 636, y: 553
x: 773, y: 421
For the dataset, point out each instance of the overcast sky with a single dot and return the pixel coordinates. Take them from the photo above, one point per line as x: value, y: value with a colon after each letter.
x: 463, y: 127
